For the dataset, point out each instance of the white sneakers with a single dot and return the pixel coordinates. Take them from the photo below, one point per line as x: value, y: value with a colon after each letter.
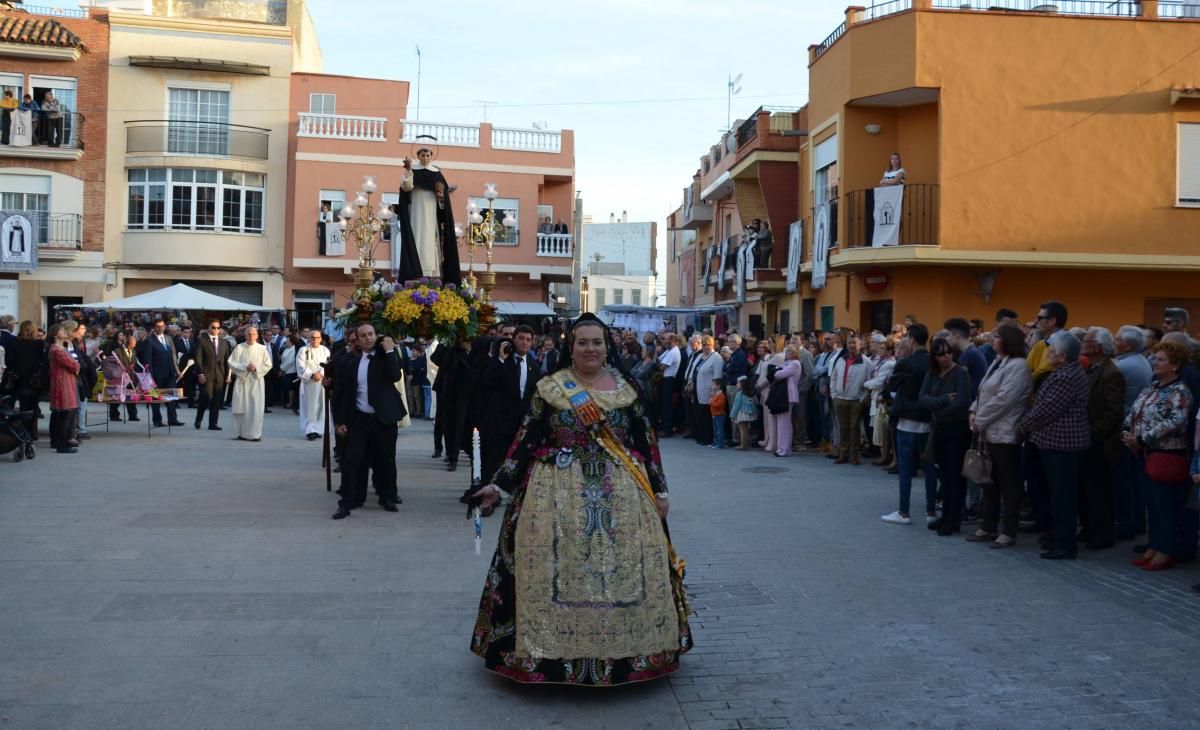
x: 896, y: 518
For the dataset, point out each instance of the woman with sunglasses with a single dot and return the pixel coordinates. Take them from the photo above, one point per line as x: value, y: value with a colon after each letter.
x: 946, y: 392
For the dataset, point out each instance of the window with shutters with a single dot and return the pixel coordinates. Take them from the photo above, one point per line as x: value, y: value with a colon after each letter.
x: 1189, y: 165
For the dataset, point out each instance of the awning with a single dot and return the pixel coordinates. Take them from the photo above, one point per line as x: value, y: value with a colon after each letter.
x: 179, y: 297
x: 201, y: 64
x: 524, y: 309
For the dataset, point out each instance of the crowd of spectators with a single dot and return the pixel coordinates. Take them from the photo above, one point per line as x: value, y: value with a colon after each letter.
x: 1079, y: 436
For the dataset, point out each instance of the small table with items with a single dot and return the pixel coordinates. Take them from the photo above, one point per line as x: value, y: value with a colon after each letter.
x: 136, y: 399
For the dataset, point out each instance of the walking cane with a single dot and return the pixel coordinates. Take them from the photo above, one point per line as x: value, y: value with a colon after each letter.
x: 325, y: 460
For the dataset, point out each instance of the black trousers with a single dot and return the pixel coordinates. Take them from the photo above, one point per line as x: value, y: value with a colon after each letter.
x: 212, y: 405
x: 1038, y: 488
x: 1006, y: 486
x: 62, y: 428
x: 439, y: 425
x: 1096, y: 497
x: 493, y: 449
x: 950, y: 444
x: 704, y: 424
x: 28, y: 403
x: 370, y: 445
x: 172, y: 407
x: 114, y: 412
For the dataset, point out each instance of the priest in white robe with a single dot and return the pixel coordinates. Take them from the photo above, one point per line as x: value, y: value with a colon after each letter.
x: 310, y: 369
x: 250, y: 361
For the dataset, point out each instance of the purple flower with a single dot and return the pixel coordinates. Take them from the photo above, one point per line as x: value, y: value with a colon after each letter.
x: 424, y: 280
x: 378, y: 306
x: 451, y: 286
x: 433, y: 297
x: 437, y: 283
x: 349, y: 303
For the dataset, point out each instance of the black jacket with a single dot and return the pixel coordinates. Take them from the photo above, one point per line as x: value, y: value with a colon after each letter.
x: 906, y: 383
x: 502, y: 384
x: 383, y: 372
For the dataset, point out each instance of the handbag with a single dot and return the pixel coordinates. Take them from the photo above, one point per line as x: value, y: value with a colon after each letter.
x: 977, y: 464
x: 1170, y: 467
x: 777, y: 398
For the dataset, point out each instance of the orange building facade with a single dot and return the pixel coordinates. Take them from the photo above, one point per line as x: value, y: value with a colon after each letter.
x: 344, y: 128
x: 1049, y: 155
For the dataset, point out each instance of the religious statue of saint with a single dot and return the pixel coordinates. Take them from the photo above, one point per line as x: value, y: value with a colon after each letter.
x: 427, y: 246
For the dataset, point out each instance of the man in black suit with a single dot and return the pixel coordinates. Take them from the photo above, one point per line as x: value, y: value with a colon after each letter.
x: 509, y: 383
x: 274, y: 342
x: 211, y: 356
x: 366, y: 409
x: 185, y: 345
x: 157, y: 354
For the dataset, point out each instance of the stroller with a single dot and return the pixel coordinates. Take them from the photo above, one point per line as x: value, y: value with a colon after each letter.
x: 14, y: 437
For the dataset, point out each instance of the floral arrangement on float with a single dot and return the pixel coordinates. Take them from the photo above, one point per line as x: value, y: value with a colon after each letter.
x: 418, y: 308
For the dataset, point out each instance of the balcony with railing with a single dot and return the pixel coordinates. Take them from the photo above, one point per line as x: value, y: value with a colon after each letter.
x: 1162, y: 9
x: 342, y: 126
x: 694, y: 211
x: 195, y: 139
x: 48, y: 139
x: 918, y: 217
x: 471, y: 135
x: 556, y: 245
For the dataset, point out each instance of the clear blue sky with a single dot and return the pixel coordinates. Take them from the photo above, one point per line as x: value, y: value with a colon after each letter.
x: 642, y: 82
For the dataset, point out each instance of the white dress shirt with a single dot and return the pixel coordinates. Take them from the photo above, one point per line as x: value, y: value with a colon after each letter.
x: 361, y: 401
x: 522, y: 370
x: 670, y: 359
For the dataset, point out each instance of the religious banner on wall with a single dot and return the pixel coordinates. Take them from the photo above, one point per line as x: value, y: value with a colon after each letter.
x: 721, y: 282
x: 18, y: 241
x: 708, y: 257
x: 887, y: 216
x: 820, y: 251
x: 21, y: 133
x: 795, y: 254
x: 332, y: 238
x: 740, y: 273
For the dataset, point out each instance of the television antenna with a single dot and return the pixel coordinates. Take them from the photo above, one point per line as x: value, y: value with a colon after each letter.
x: 734, y: 88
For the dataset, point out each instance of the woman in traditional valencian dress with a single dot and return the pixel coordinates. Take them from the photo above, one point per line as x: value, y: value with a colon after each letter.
x: 584, y: 587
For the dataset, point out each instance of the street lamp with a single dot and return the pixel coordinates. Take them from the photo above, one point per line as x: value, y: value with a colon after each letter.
x: 483, y: 229
x: 364, y: 226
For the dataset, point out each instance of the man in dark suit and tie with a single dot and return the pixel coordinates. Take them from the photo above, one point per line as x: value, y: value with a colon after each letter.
x: 509, y: 382
x: 158, y: 355
x: 366, y: 409
x: 211, y: 356
x: 185, y: 345
x: 274, y: 341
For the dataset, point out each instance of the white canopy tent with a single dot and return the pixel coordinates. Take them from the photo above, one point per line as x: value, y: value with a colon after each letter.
x: 179, y: 297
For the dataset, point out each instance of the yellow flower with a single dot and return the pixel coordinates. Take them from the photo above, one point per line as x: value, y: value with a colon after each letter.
x: 450, y: 308
x: 401, y: 308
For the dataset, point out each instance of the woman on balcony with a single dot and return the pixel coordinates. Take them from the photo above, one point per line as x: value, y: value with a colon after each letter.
x: 426, y: 223
x: 894, y: 174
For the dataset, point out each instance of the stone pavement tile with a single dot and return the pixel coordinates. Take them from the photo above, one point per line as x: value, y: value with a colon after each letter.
x: 88, y: 716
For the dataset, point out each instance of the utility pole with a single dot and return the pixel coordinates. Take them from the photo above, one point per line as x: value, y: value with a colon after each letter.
x: 418, y: 117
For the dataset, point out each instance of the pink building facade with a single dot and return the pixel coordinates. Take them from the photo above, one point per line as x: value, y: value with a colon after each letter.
x: 342, y: 128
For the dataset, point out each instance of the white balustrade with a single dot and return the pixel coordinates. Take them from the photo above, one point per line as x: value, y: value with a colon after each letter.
x: 557, y: 245
x: 528, y: 140
x: 339, y: 126
x: 455, y: 135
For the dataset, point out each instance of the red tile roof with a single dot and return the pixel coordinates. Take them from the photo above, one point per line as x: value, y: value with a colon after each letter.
x: 34, y: 31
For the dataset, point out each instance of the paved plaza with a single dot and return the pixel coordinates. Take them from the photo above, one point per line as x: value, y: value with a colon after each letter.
x: 192, y: 581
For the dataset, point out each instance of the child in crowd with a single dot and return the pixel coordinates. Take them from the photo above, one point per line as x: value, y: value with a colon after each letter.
x: 717, y: 407
x: 745, y: 410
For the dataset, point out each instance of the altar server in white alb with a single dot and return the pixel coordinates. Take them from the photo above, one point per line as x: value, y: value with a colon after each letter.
x: 250, y: 361
x: 310, y: 369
